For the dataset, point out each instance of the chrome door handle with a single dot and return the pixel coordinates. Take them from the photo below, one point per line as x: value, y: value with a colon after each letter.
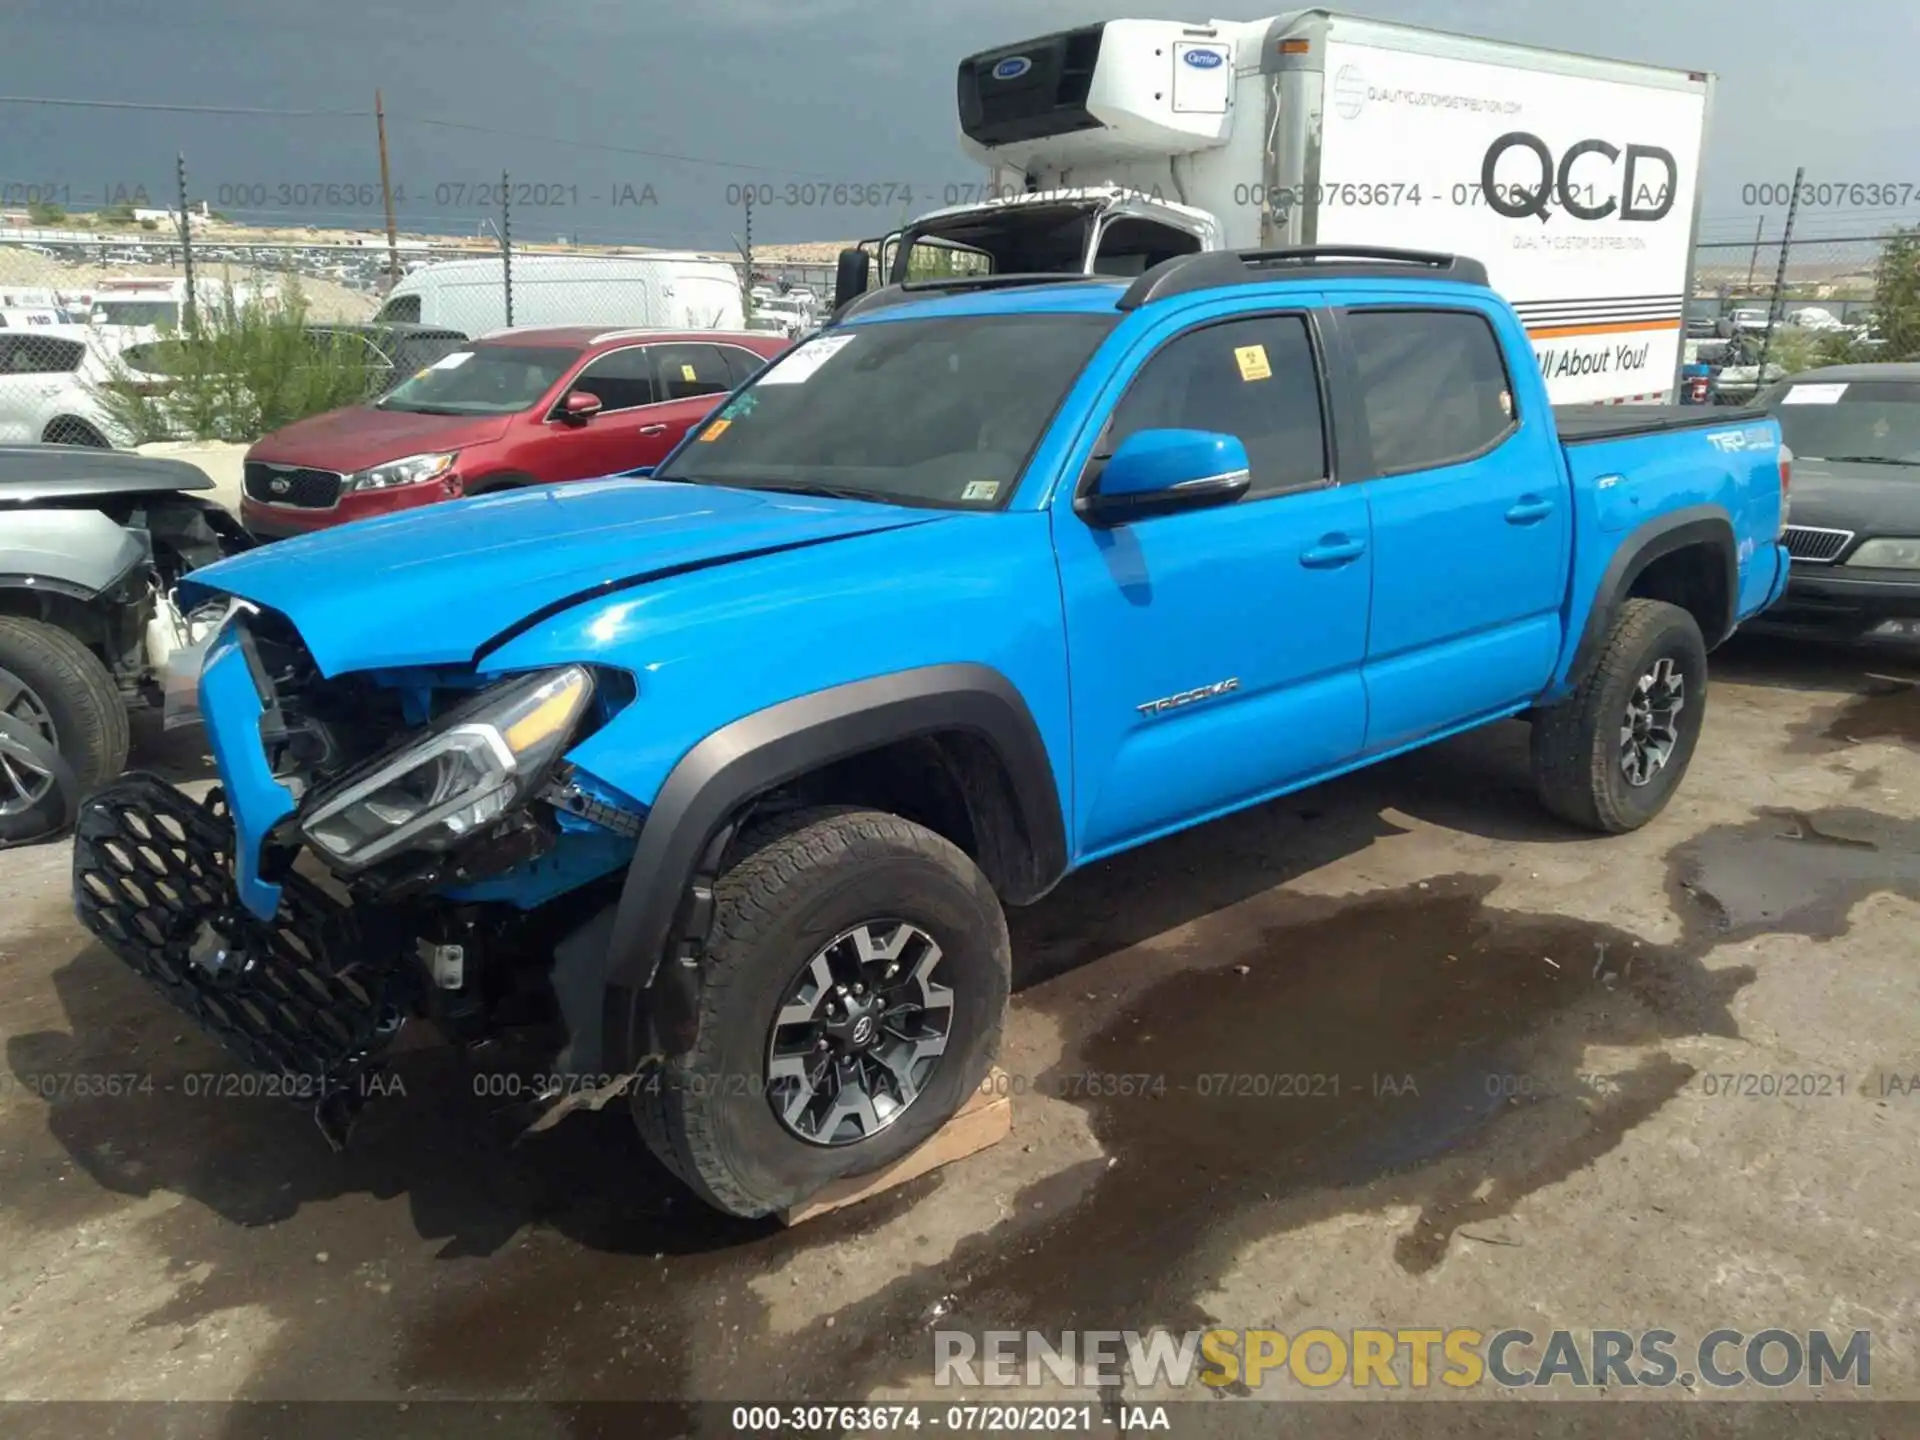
x: 653, y: 429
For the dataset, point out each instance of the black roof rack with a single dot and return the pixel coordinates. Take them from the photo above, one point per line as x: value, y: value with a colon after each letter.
x: 950, y: 284
x: 1211, y: 269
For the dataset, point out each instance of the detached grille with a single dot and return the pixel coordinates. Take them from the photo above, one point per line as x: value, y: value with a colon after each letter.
x: 1815, y: 546
x: 292, y: 485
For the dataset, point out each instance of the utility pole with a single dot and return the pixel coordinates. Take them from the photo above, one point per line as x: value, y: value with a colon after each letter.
x: 192, y: 312
x: 506, y: 244
x: 746, y: 254
x: 386, y: 192
x: 1753, y: 260
x: 1780, y: 276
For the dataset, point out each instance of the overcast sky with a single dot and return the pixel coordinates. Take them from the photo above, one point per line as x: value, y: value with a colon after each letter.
x: 837, y: 90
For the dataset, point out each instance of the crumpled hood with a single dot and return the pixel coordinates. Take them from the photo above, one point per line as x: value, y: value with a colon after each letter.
x: 433, y: 586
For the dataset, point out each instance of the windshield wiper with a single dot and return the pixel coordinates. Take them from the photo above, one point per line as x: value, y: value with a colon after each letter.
x: 804, y: 487
x: 1864, y: 460
x: 415, y: 409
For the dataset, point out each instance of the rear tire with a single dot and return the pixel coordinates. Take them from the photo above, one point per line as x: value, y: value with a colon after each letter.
x: 63, y: 683
x: 1610, y: 756
x: 828, y: 886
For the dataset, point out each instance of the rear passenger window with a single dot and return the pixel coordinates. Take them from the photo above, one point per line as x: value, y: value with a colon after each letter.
x: 1252, y: 378
x: 743, y: 365
x: 1433, y: 386
x: 682, y: 372
x: 24, y: 353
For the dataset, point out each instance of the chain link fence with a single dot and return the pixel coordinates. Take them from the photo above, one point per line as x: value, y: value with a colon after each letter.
x: 86, y: 301
x: 1763, y: 309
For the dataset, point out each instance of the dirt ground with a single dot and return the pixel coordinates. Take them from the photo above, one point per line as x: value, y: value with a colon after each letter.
x: 1558, y: 1144
x: 326, y: 299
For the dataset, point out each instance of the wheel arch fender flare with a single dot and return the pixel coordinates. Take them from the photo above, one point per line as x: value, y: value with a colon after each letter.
x: 1661, y: 536
x: 666, y: 897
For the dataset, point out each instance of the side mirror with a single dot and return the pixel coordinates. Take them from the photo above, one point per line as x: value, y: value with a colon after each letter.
x: 850, y: 276
x: 1160, y: 472
x: 579, y: 407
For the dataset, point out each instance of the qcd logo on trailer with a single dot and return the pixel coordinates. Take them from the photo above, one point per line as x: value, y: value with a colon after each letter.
x: 1012, y: 68
x: 1583, y: 196
x: 1203, y: 59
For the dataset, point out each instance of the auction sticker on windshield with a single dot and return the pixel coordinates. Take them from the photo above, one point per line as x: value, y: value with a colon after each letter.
x: 798, y: 366
x: 1813, y: 395
x: 453, y: 361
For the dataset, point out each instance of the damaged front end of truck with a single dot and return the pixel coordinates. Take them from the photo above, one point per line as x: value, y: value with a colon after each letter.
x: 383, y: 846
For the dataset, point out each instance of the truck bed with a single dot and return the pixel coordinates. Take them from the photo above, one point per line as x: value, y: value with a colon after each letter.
x: 1579, y: 423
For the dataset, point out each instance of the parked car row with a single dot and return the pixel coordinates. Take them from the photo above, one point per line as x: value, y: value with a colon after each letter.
x: 519, y: 407
x: 54, y: 378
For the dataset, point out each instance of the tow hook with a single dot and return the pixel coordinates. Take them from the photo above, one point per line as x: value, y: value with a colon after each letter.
x: 217, y: 957
x: 337, y: 1113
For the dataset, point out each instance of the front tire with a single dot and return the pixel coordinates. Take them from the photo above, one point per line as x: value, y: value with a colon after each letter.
x: 55, y: 686
x: 1610, y: 756
x: 785, y: 1089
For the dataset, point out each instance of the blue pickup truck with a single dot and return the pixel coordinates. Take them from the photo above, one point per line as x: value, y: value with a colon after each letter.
x: 726, y: 774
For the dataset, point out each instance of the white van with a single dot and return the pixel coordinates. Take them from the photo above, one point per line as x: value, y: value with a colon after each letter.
x: 675, y: 292
x: 159, y: 302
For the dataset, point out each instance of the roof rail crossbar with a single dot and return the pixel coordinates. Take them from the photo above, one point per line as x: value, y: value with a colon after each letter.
x: 1211, y: 269
x: 900, y: 294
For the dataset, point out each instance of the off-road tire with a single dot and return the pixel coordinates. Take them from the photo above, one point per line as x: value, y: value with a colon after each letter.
x: 1576, y: 743
x: 89, y: 717
x: 801, y: 879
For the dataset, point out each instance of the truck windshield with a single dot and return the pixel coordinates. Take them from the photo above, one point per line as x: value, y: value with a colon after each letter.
x: 935, y: 412
x: 1872, y: 422
x: 137, y: 312
x: 486, y: 380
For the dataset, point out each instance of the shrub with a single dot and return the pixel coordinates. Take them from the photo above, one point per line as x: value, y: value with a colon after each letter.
x: 240, y: 370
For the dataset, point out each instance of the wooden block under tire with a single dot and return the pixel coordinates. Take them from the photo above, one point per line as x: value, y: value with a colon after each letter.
x: 985, y: 1120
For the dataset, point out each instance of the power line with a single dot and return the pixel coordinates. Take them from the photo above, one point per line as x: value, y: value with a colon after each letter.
x: 177, y: 109
x: 576, y: 144
x: 571, y: 142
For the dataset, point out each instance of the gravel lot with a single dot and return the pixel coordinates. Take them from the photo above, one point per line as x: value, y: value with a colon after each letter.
x: 1564, y: 1156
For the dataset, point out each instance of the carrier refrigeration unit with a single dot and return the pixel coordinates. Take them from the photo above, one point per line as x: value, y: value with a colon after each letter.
x: 1573, y: 179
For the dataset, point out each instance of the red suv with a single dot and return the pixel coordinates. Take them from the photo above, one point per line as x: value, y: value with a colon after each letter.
x: 518, y: 407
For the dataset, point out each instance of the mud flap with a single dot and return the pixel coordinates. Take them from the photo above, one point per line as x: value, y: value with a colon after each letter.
x: 313, y: 996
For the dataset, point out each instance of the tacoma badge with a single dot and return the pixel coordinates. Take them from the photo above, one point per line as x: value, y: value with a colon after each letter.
x: 1189, y: 697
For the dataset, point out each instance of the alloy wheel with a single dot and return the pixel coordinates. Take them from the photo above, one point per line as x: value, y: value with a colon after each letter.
x: 859, y: 1033
x: 1651, y: 727
x: 23, y: 784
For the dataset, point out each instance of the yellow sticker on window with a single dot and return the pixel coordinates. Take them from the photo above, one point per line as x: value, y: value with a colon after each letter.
x: 1252, y: 360
x: 686, y: 372
x: 715, y: 430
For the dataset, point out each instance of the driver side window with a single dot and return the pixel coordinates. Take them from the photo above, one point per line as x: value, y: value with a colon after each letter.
x: 1253, y: 378
x: 622, y: 379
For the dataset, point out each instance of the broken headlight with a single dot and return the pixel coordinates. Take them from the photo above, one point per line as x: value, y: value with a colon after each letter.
x: 473, y: 766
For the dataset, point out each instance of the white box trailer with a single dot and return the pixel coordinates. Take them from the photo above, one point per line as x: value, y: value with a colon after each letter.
x: 1575, y: 180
